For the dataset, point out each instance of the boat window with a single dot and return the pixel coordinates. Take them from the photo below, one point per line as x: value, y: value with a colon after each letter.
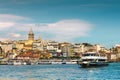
x: 86, y: 54
x: 89, y: 54
x: 101, y: 60
x: 88, y: 60
x: 84, y: 59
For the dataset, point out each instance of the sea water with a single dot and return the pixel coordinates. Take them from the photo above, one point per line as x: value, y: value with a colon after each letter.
x: 59, y: 72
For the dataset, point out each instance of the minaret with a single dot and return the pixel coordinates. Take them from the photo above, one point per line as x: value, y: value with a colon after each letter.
x: 31, y: 35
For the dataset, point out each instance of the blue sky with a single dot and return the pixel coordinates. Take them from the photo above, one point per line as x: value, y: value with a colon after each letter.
x: 92, y: 21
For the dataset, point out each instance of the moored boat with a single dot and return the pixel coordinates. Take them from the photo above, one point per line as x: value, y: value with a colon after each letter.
x: 44, y: 62
x: 92, y: 59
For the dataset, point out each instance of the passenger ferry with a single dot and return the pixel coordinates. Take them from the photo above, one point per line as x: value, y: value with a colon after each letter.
x: 92, y: 59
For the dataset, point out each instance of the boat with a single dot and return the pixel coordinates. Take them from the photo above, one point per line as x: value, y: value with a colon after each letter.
x: 92, y: 59
x: 69, y: 62
x: 64, y: 61
x: 56, y: 62
x: 16, y: 62
x: 44, y: 62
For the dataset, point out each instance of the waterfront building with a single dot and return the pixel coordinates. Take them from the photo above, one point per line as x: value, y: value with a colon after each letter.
x: 20, y: 46
x: 28, y: 55
x: 1, y: 53
x: 78, y: 48
x: 113, y: 57
x: 116, y: 50
x: 0, y: 50
x: 97, y: 47
x: 83, y: 47
x: 104, y: 49
x: 52, y: 46
x: 39, y: 44
x: 88, y: 47
x: 6, y: 47
x: 66, y: 49
x: 14, y: 49
x: 12, y: 55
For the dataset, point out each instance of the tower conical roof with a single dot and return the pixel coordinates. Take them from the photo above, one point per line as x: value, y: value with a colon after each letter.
x: 31, y: 31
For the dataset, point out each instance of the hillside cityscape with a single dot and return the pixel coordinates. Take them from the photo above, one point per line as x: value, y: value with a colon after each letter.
x: 39, y: 49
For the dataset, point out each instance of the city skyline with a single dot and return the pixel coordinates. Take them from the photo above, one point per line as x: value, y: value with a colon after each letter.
x: 95, y: 22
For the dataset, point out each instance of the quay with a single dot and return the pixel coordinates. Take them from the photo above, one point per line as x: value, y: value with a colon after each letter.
x: 38, y: 62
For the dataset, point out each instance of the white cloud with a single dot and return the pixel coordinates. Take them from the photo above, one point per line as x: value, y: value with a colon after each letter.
x: 14, y: 35
x: 10, y: 36
x: 70, y: 26
x: 4, y: 39
x: 69, y: 29
x: 4, y: 25
x: 8, y: 20
x: 11, y: 18
x: 65, y: 30
x: 8, y: 23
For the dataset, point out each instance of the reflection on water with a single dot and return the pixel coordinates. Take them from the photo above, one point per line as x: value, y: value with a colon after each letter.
x: 59, y: 72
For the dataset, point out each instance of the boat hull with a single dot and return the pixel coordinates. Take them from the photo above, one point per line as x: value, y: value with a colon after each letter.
x: 94, y: 64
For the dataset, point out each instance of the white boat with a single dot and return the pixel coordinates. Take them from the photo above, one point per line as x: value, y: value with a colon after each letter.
x: 92, y: 59
x: 17, y: 63
x: 44, y: 62
x: 69, y: 62
x: 56, y: 62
